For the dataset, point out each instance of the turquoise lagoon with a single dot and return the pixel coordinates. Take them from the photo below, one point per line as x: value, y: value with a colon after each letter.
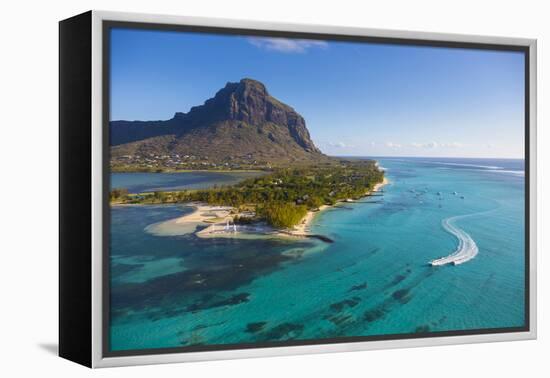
x: 375, y: 279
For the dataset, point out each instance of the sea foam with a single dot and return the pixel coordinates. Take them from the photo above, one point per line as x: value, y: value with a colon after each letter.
x: 465, y: 165
x: 467, y: 248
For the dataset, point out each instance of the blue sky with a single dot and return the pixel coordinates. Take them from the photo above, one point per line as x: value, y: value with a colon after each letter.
x: 357, y: 99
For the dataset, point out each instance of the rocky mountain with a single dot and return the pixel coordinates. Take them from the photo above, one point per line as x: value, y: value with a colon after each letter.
x: 241, y: 123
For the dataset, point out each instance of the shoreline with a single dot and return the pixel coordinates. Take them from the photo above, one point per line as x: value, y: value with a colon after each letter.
x: 202, y: 214
x: 198, y: 170
x: 219, y: 222
x: 302, y: 228
x: 380, y: 185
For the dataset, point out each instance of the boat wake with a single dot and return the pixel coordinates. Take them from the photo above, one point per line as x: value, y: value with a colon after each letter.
x: 467, y: 247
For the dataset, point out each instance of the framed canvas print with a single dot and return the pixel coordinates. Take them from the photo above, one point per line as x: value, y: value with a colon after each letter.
x: 235, y: 189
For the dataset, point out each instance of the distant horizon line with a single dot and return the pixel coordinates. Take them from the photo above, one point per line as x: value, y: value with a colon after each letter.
x: 425, y: 157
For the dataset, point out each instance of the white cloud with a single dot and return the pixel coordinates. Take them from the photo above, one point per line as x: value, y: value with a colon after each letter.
x: 339, y: 145
x: 452, y: 145
x: 424, y: 145
x: 431, y: 145
x: 393, y: 145
x: 286, y: 45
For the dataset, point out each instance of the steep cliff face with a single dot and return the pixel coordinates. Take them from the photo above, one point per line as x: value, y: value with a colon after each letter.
x: 241, y: 119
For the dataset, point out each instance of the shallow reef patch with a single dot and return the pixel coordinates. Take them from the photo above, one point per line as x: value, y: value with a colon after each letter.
x: 422, y: 329
x: 402, y: 296
x: 284, y: 331
x: 374, y: 314
x: 255, y: 327
x: 338, y: 320
x: 358, y: 287
x: 213, y: 301
x: 351, y: 302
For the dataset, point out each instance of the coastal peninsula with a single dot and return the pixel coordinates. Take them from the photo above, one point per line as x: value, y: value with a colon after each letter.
x: 227, y: 212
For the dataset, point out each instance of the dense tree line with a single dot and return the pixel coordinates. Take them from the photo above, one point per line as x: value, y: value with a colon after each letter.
x: 282, y: 197
x: 282, y: 215
x: 118, y: 194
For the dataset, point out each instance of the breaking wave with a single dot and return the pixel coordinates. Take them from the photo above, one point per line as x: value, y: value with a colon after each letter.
x: 466, y: 165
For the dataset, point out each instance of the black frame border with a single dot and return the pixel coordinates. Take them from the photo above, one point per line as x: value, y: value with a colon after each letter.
x: 75, y: 186
x: 107, y: 25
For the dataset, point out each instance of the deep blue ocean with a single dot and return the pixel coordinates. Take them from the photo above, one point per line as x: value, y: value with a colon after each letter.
x: 375, y: 279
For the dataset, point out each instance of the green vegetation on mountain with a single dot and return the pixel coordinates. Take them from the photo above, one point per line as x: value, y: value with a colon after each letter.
x: 241, y: 127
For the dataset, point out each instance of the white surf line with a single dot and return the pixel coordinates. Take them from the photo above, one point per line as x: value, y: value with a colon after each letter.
x: 467, y: 247
x: 489, y: 167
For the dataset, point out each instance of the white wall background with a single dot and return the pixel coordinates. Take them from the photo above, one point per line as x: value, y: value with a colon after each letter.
x: 28, y: 189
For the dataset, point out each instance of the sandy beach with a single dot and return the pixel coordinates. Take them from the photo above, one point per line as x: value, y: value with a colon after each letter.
x: 202, y: 215
x: 379, y: 186
x: 207, y: 214
x: 302, y: 229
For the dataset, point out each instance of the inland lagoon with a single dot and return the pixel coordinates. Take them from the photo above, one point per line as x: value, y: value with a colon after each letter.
x: 377, y: 277
x: 143, y: 182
